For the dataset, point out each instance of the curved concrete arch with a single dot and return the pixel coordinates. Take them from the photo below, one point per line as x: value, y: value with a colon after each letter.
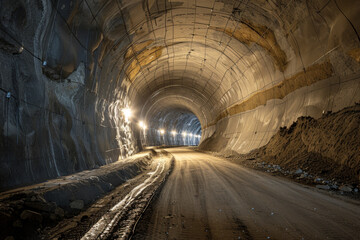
x: 168, y: 96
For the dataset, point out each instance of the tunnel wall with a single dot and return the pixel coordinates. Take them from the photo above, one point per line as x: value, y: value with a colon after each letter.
x: 59, y: 117
x: 320, y: 74
x: 249, y: 130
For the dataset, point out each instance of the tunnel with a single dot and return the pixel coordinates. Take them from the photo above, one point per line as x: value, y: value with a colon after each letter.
x: 88, y: 83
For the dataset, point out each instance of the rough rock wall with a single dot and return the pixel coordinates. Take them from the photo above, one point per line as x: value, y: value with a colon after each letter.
x: 57, y: 116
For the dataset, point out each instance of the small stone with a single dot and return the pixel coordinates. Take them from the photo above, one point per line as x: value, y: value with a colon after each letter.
x: 17, y: 224
x: 77, y: 204
x: 31, y: 216
x: 298, y: 171
x: 356, y: 190
x: 55, y: 76
x: 37, y: 198
x: 53, y: 217
x: 59, y: 211
x: 317, y: 179
x: 346, y: 188
x: 325, y: 187
x: 334, y: 186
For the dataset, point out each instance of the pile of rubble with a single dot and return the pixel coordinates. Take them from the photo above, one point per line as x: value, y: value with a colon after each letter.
x: 28, y: 212
x: 305, y: 177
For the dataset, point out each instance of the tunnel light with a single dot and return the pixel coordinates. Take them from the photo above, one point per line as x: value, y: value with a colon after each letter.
x: 190, y: 134
x: 162, y: 131
x: 173, y: 133
x: 127, y: 113
x: 142, y: 125
x: 184, y: 134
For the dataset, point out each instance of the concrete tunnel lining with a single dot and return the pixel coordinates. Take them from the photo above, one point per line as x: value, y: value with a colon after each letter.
x: 243, y: 68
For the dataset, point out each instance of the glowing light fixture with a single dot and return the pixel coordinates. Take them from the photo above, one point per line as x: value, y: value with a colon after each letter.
x: 190, y: 134
x: 162, y: 131
x: 127, y: 113
x: 184, y: 134
x: 142, y: 125
x: 173, y: 133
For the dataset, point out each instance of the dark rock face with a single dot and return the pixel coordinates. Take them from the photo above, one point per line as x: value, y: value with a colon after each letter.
x: 55, y: 118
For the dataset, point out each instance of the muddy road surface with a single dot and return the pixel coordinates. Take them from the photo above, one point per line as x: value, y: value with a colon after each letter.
x: 206, y: 197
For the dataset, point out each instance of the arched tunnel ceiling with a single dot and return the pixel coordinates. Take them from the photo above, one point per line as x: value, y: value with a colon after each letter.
x: 227, y: 51
x: 177, y: 96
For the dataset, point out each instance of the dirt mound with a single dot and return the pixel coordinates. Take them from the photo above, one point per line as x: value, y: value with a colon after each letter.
x: 327, y: 147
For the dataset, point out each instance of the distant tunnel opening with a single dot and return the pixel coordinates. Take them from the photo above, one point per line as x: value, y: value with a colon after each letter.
x: 174, y: 127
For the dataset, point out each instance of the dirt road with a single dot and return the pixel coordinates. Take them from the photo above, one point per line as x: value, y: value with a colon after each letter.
x: 208, y: 198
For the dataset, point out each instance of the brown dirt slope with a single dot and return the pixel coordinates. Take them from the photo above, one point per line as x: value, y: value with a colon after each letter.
x: 328, y: 146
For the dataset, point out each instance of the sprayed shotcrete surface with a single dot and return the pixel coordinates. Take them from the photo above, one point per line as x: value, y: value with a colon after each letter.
x: 304, y: 78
